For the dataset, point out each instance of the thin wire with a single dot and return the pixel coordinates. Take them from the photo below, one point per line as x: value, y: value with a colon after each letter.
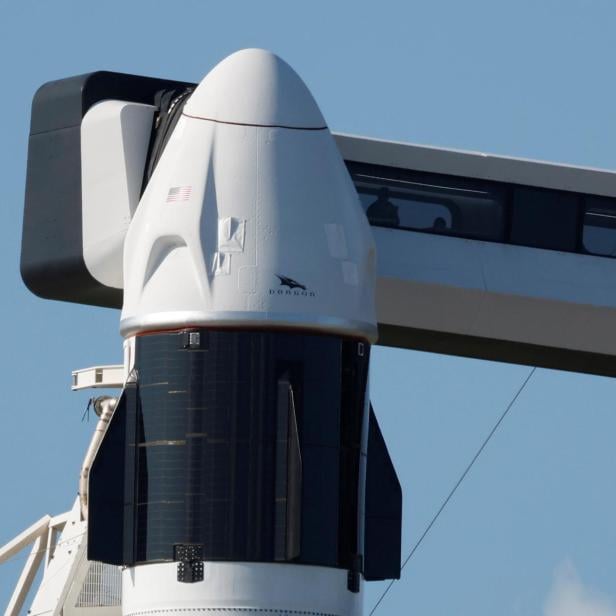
x: 86, y: 413
x: 456, y: 486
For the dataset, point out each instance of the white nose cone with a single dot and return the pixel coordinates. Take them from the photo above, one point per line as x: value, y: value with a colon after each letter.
x: 250, y: 218
x: 256, y: 87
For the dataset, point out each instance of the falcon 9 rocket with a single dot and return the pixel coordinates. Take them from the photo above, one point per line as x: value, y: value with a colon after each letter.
x: 243, y: 469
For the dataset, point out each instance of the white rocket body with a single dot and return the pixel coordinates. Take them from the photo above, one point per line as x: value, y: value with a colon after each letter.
x: 250, y: 218
x: 240, y: 589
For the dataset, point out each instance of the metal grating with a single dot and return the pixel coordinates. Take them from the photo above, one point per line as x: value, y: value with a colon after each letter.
x: 102, y: 587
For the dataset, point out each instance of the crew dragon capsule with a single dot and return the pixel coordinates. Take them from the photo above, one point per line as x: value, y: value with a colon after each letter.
x: 243, y: 469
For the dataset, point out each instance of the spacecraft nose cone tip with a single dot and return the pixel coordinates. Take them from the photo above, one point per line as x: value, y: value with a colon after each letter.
x: 255, y: 87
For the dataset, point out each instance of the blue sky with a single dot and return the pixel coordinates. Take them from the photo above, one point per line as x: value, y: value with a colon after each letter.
x: 531, y: 531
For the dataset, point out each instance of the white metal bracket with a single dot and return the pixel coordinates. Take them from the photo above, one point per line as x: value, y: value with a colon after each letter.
x: 98, y: 377
x: 42, y: 535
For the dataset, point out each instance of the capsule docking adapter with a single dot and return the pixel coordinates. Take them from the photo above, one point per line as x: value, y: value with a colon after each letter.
x: 243, y: 469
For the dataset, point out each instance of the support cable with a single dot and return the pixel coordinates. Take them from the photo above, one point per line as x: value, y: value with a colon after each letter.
x: 456, y: 486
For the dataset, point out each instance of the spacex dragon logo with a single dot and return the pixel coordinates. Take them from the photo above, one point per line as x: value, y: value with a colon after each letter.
x: 289, y: 286
x: 285, y: 281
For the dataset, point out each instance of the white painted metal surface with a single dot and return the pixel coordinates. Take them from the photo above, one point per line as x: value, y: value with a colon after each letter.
x: 107, y: 406
x: 238, y: 589
x: 480, y: 165
x: 98, y: 377
x: 525, y: 295
x: 63, y: 568
x: 26, y: 578
x: 60, y: 543
x: 114, y: 144
x: 70, y: 585
x: 246, y: 225
x: 255, y: 87
x: 24, y: 539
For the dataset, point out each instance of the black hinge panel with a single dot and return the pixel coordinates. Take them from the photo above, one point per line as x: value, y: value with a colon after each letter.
x: 111, y: 491
x: 383, y: 530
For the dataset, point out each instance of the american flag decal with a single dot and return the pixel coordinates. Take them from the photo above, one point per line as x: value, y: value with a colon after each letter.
x: 179, y: 193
